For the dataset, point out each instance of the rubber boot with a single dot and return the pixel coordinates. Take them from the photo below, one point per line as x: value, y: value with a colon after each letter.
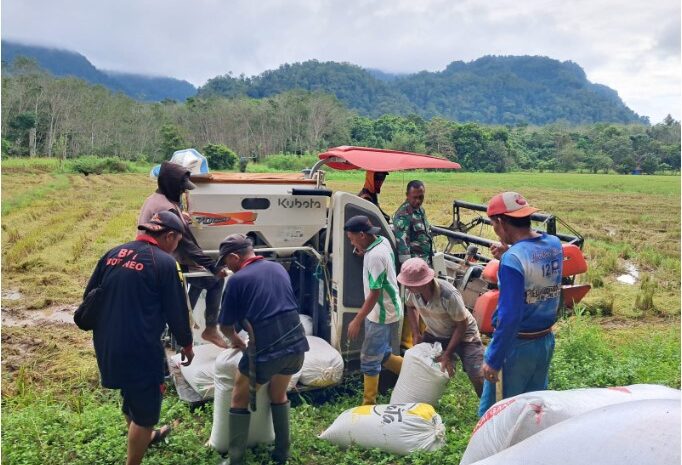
x: 280, y: 423
x: 393, y: 363
x: 239, y: 433
x: 371, y: 388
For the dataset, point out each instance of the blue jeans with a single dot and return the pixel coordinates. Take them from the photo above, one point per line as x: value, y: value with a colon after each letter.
x: 525, y: 369
x: 376, y: 346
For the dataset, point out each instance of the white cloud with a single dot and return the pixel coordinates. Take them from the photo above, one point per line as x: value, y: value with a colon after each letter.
x: 633, y: 47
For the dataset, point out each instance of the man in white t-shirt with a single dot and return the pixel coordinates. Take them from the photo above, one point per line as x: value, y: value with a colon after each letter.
x: 382, y: 311
x: 447, y: 320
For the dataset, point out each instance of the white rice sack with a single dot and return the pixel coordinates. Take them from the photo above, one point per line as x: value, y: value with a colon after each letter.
x: 629, y: 433
x: 307, y: 322
x: 294, y: 380
x: 261, y: 430
x: 421, y: 378
x: 513, y: 420
x: 395, y: 428
x: 200, y: 373
x: 323, y: 364
x: 227, y: 365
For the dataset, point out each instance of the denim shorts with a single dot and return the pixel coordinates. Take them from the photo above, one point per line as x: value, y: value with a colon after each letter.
x: 376, y: 346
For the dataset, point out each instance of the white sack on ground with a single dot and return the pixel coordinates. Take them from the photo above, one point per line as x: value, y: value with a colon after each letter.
x: 512, y: 420
x: 421, y: 379
x: 307, y: 322
x: 200, y: 373
x: 396, y: 428
x: 630, y: 433
x: 260, y: 429
x: 323, y: 364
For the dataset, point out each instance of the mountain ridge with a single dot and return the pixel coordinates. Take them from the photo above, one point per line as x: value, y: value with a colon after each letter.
x: 62, y: 62
x: 492, y: 89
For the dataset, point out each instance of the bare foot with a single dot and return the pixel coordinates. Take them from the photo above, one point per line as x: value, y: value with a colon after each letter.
x: 212, y: 335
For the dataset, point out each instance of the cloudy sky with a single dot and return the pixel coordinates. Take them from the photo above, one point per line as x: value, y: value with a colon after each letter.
x: 631, y: 46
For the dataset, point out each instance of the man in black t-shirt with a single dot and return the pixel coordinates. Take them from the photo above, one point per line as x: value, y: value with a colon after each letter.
x: 260, y: 295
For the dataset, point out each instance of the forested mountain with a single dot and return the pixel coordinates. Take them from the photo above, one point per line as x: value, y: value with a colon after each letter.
x: 66, y: 63
x: 67, y: 117
x: 492, y: 89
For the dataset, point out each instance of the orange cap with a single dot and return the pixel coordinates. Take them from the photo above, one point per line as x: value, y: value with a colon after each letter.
x: 510, y: 204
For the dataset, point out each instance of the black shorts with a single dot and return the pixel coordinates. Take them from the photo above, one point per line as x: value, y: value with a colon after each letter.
x: 143, y: 404
x: 286, y: 365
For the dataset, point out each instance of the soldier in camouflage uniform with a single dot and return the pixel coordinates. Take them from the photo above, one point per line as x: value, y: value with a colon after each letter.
x: 412, y: 229
x: 413, y: 234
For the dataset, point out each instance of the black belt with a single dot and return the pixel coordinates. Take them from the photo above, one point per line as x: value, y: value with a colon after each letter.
x: 535, y: 335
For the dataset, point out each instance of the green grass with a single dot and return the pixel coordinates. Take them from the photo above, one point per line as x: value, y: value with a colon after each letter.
x: 66, y: 418
x: 56, y: 225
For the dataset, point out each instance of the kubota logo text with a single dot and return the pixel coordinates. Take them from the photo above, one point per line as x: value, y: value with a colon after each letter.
x: 297, y: 203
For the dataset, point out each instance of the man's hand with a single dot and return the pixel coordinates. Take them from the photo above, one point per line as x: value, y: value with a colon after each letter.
x: 187, y: 217
x: 222, y: 273
x: 446, y: 364
x: 186, y: 353
x: 498, y: 249
x: 489, y: 373
x: 354, y: 328
x: 237, y: 342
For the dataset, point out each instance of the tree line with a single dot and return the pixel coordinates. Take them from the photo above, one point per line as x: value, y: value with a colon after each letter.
x: 66, y: 117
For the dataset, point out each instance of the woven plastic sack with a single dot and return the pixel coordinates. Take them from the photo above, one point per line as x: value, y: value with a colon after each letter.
x: 395, y: 428
x: 513, y: 420
x: 323, y: 364
x: 260, y: 429
x: 200, y: 373
x: 629, y: 433
x: 307, y: 322
x: 421, y: 378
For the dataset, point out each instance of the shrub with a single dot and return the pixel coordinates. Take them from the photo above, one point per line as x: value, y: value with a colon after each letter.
x: 219, y: 157
x: 95, y: 165
x: 645, y: 297
x: 6, y: 146
x: 290, y: 162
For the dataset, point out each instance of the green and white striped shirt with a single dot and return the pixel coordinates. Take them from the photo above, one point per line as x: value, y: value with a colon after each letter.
x: 378, y: 272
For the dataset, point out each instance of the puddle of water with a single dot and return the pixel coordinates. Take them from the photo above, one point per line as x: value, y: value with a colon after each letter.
x: 631, y: 276
x: 32, y: 318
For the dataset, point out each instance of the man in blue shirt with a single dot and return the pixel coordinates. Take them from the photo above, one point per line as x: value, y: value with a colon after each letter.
x: 260, y: 294
x: 529, y: 280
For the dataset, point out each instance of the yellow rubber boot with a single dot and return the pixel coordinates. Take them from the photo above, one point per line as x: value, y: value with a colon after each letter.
x: 371, y: 388
x: 394, y: 363
x: 406, y: 337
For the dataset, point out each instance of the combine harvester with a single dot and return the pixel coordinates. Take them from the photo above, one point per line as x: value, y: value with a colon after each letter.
x: 294, y: 219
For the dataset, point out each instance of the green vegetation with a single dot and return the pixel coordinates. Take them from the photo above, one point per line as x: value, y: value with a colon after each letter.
x: 67, y: 118
x: 492, y: 89
x: 63, y: 416
x: 219, y: 157
x: 65, y: 63
x: 57, y: 223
